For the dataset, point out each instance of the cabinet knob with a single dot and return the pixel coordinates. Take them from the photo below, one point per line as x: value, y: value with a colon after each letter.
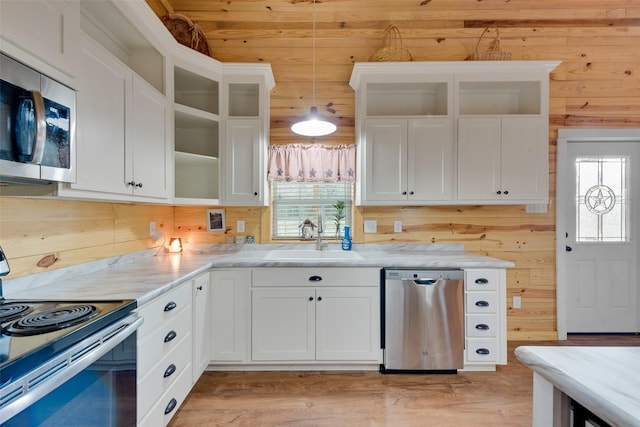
x: 139, y: 185
x: 319, y: 298
x: 404, y: 193
x: 310, y: 298
x: 411, y: 192
x: 132, y: 183
x: 506, y: 191
x: 255, y: 193
x: 199, y: 288
x: 498, y: 192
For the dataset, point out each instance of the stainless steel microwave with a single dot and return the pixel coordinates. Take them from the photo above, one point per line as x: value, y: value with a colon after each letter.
x: 37, y: 125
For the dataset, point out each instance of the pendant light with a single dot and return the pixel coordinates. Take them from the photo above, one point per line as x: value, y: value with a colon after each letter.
x: 313, y: 124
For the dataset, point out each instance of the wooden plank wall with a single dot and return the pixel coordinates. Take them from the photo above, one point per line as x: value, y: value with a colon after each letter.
x: 597, y: 85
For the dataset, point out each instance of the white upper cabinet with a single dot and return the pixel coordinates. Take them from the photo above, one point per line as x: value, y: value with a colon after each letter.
x: 42, y: 33
x: 246, y: 101
x: 432, y: 133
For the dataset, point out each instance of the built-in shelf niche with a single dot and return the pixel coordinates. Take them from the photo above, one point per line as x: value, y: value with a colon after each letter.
x: 407, y: 99
x: 196, y: 176
x: 244, y: 99
x: 195, y: 91
x: 499, y: 98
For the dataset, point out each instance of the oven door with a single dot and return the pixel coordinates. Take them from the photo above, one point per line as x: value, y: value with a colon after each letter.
x: 91, y: 384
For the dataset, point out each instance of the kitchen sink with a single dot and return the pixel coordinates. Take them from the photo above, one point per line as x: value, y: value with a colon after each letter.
x: 291, y: 255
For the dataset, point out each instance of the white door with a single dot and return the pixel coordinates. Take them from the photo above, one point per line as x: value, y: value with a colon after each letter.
x: 598, y: 232
x: 386, y: 160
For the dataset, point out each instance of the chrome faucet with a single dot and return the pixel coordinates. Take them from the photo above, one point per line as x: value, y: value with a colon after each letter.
x: 320, y: 245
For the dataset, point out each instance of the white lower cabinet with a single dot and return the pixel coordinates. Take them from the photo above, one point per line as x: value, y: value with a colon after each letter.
x: 200, y: 287
x: 230, y: 313
x: 315, y: 315
x: 485, y: 318
x: 164, y: 356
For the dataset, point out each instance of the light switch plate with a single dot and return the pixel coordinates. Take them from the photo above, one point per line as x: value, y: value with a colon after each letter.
x: 370, y: 226
x: 152, y: 228
x: 397, y: 226
x: 240, y: 226
x: 517, y: 301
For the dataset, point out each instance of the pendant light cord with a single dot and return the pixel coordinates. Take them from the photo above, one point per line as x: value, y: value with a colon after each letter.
x: 313, y: 67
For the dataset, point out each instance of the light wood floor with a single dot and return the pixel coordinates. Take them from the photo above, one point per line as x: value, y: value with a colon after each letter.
x: 501, y: 398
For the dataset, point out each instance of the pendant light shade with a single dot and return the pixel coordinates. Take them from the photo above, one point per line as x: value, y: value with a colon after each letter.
x: 313, y: 124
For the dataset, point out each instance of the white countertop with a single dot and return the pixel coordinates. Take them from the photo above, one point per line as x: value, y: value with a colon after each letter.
x: 143, y: 276
x: 605, y: 380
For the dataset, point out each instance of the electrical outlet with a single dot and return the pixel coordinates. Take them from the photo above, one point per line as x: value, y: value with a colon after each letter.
x: 370, y: 226
x: 240, y: 226
x: 152, y: 228
x: 517, y: 301
x: 397, y: 226
x: 535, y: 208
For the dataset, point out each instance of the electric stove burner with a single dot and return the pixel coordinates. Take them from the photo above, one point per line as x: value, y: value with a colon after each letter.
x: 52, y: 320
x: 9, y: 312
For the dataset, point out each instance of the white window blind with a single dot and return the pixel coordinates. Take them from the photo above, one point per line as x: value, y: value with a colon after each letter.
x: 293, y: 202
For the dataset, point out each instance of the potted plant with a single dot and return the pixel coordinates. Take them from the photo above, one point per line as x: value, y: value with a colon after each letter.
x: 339, y: 215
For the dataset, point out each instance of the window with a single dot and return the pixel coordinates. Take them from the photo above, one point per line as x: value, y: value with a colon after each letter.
x: 601, y: 199
x: 294, y: 202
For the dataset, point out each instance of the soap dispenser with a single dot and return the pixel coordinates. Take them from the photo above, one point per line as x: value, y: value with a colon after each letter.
x: 346, y: 242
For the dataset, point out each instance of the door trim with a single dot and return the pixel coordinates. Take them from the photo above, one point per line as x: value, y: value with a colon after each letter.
x: 566, y: 136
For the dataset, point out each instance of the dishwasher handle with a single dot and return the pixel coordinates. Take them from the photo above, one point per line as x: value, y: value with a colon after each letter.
x: 425, y: 282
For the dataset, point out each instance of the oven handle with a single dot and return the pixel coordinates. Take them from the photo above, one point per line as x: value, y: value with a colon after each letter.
x: 38, y: 383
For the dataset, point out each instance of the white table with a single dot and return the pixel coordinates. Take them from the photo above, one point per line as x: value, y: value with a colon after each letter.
x: 605, y: 380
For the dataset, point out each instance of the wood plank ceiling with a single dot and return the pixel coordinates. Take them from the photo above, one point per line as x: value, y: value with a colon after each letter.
x: 597, y: 41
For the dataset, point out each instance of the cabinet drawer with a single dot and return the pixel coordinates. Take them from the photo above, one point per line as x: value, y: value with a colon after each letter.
x: 163, y: 375
x: 482, y: 280
x: 163, y: 309
x: 481, y: 302
x: 316, y: 276
x: 482, y: 350
x: 160, y: 342
x: 165, y: 408
x: 482, y: 325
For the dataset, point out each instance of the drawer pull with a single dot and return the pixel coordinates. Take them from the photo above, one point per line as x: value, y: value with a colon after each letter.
x: 170, y: 336
x: 170, y: 306
x: 482, y: 304
x: 170, y: 406
x: 315, y: 278
x: 483, y: 351
x: 482, y: 327
x: 482, y: 281
x: 170, y: 370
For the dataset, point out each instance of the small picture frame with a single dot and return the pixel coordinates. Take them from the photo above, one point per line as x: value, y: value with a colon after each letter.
x: 215, y: 220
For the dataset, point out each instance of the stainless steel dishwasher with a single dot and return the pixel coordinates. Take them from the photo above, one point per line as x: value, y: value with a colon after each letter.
x: 423, y: 320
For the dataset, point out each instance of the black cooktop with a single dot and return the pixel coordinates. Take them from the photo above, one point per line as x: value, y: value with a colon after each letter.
x: 31, y: 332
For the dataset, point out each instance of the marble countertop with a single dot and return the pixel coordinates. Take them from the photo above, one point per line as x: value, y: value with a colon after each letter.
x: 144, y: 276
x: 605, y: 380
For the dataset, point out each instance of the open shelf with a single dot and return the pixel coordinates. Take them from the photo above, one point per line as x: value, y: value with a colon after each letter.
x: 407, y: 99
x: 510, y: 97
x: 196, y: 176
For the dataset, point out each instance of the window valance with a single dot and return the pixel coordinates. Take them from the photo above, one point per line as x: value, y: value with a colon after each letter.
x: 311, y: 163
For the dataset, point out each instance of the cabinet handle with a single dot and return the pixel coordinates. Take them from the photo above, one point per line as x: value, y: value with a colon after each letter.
x: 170, y: 336
x: 310, y: 298
x: 482, y: 327
x: 315, y: 278
x: 170, y: 306
x: 482, y: 304
x: 170, y: 370
x: 170, y: 406
x: 483, y: 351
x: 481, y: 281
x: 319, y: 298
